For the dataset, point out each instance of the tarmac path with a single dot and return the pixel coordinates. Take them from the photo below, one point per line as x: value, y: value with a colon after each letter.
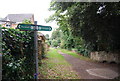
x: 91, y: 70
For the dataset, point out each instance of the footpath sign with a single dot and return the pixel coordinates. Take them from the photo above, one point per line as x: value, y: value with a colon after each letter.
x: 35, y: 28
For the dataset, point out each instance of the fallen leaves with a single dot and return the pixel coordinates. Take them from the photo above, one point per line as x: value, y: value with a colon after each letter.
x: 57, y: 69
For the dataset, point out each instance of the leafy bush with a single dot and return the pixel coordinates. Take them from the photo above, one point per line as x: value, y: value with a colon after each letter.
x: 17, y: 48
x: 83, y: 51
x: 43, y: 51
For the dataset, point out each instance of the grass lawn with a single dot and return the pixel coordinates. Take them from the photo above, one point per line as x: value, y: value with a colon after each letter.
x: 56, y: 67
x: 75, y: 54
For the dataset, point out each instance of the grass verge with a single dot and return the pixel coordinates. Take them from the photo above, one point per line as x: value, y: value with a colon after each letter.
x: 75, y: 54
x: 56, y: 67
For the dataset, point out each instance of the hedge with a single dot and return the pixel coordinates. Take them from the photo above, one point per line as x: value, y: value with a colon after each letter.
x: 17, y: 58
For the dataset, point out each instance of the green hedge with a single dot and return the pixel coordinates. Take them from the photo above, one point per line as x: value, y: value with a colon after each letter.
x: 18, y: 58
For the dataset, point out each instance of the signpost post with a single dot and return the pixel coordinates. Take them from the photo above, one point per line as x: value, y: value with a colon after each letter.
x: 35, y: 28
x: 36, y: 54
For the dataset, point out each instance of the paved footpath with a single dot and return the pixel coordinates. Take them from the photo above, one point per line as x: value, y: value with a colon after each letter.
x: 92, y: 70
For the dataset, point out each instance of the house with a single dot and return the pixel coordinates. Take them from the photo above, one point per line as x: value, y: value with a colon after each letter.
x: 12, y: 20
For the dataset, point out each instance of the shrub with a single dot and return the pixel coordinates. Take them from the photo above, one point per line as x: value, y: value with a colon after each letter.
x: 18, y: 59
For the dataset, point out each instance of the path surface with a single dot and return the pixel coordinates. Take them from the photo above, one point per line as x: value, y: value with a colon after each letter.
x: 92, y: 70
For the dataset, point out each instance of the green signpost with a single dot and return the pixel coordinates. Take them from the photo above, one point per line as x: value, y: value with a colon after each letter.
x: 33, y: 27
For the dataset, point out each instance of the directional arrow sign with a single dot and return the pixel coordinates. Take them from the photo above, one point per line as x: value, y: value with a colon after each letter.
x: 34, y: 27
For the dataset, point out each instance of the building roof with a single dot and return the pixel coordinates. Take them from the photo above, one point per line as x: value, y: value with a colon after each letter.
x: 18, y: 17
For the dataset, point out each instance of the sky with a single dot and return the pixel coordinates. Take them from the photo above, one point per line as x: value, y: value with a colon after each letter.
x: 37, y: 7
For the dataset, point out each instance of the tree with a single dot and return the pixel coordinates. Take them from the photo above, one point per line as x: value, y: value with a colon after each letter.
x: 47, y: 36
x: 48, y: 41
x: 56, y: 38
x: 26, y: 21
x: 97, y: 23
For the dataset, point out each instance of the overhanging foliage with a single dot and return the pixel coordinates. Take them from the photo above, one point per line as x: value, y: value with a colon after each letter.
x: 97, y: 23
